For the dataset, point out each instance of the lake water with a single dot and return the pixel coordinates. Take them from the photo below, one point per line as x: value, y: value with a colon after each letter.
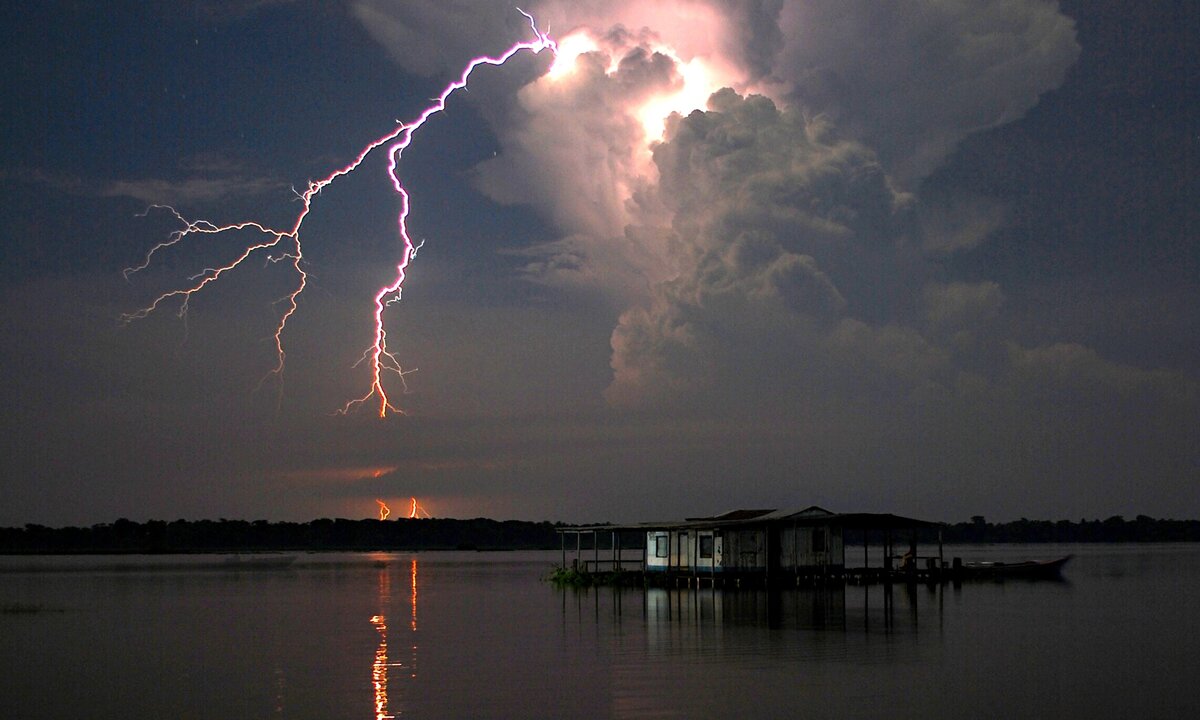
x: 478, y: 635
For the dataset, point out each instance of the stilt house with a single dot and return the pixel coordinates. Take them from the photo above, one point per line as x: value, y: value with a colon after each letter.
x: 762, y: 543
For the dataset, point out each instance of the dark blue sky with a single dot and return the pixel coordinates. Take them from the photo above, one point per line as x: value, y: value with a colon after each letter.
x: 1101, y: 178
x: 1008, y: 330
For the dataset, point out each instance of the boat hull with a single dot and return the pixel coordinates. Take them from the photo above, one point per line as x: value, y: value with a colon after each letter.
x: 1024, y: 569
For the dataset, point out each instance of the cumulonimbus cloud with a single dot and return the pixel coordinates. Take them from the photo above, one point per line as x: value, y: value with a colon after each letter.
x: 774, y: 232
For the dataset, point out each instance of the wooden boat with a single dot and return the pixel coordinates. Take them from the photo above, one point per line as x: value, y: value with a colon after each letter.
x: 1023, y: 569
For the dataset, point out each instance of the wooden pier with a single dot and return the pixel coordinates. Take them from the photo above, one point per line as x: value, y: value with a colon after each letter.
x: 604, y: 572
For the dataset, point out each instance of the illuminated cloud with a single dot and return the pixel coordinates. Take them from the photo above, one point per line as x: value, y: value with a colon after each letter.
x: 189, y: 191
x: 204, y: 180
x: 1079, y: 371
x: 960, y: 224
x: 579, y: 150
x: 576, y: 143
x: 959, y: 306
x: 337, y: 474
x: 844, y: 281
x: 433, y: 37
x: 913, y: 78
x: 767, y: 246
x: 788, y: 229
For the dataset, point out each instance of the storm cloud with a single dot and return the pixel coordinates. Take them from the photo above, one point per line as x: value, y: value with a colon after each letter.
x: 930, y: 257
x: 772, y: 252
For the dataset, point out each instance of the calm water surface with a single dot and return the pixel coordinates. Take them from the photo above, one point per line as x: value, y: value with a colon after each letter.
x: 478, y: 635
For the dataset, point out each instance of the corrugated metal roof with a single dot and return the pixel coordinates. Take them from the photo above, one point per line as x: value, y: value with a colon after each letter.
x: 733, y: 515
x: 811, y: 515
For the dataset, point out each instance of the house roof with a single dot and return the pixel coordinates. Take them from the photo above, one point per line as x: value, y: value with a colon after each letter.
x: 733, y: 515
x: 812, y: 515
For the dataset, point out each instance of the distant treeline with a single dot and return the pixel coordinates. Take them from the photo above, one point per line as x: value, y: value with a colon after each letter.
x: 183, y: 536
x: 1114, y: 529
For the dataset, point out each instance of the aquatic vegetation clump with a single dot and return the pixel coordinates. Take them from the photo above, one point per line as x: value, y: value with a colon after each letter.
x: 571, y: 577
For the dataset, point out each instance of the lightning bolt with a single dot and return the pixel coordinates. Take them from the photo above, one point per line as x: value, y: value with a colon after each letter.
x: 283, y: 245
x: 384, y: 510
x: 416, y: 510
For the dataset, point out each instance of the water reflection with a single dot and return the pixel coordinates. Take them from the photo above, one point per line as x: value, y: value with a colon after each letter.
x: 381, y: 669
x: 822, y: 608
x: 867, y: 608
x: 414, y: 596
x: 280, y: 691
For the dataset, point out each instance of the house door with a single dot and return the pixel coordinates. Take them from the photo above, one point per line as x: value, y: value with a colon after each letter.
x: 681, y: 551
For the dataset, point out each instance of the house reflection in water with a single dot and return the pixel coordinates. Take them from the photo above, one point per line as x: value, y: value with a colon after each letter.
x: 381, y: 669
x: 809, y: 608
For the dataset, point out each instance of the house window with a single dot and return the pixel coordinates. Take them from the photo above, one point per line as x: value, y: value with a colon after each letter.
x: 706, y: 546
x: 660, y: 545
x: 818, y: 544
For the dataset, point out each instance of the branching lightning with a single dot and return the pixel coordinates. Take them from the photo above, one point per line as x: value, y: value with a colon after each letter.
x: 285, y: 245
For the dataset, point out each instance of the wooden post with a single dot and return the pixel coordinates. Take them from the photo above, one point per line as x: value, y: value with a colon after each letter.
x: 646, y: 555
x: 842, y: 536
x: 616, y: 548
x: 562, y: 542
x: 912, y: 549
x: 767, y: 553
x: 695, y: 555
x: 888, y: 604
x: 941, y: 554
x: 595, y: 551
x: 887, y: 549
x: 577, y: 541
x: 796, y: 551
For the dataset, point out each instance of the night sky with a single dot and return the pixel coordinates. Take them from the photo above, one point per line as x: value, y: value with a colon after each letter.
x: 932, y: 258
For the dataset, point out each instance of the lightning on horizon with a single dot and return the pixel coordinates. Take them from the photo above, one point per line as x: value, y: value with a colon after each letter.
x: 285, y: 245
x: 416, y: 511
